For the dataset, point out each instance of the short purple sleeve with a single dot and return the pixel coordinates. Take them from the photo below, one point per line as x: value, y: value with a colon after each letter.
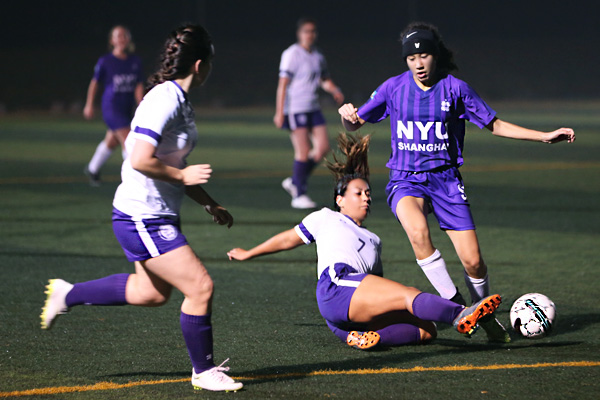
x: 310, y: 226
x: 376, y: 108
x: 476, y: 110
x: 99, y: 70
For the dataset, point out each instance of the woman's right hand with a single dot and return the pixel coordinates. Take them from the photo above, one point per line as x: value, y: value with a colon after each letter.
x: 88, y: 112
x: 238, y: 254
x: 278, y: 120
x: 196, y: 174
x: 349, y: 113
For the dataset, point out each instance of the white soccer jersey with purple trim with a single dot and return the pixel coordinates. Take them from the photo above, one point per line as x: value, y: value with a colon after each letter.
x: 428, y: 127
x: 165, y: 119
x: 305, y: 69
x: 340, y: 240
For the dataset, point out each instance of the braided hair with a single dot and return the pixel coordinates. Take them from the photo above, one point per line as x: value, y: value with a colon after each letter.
x: 355, y: 166
x: 445, y: 58
x: 184, y: 46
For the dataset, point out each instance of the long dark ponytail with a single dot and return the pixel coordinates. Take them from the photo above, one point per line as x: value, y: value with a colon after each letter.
x: 355, y: 166
x: 184, y: 46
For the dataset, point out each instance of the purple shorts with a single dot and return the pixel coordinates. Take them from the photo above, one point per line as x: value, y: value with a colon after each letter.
x: 443, y: 191
x: 143, y: 239
x: 335, y: 289
x: 303, y: 120
x: 117, y: 112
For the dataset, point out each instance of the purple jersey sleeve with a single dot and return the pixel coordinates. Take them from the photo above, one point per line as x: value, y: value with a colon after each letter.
x: 475, y: 109
x: 376, y: 108
x: 99, y: 70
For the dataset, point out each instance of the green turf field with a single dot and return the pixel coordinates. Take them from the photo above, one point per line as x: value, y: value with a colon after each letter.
x: 536, y: 208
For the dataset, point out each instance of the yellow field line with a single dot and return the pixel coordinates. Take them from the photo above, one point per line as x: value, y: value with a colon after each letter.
x: 449, y: 368
x: 322, y: 171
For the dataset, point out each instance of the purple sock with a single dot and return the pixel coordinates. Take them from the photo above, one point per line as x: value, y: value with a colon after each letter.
x: 392, y: 335
x: 433, y: 308
x: 107, y: 291
x: 300, y: 174
x: 197, y: 333
x: 399, y: 334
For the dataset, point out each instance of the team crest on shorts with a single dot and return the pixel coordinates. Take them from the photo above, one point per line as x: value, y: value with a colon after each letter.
x: 167, y: 232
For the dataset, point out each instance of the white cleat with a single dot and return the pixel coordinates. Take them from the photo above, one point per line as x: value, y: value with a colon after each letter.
x: 55, y: 304
x: 303, y: 202
x: 215, y: 379
x: 289, y: 187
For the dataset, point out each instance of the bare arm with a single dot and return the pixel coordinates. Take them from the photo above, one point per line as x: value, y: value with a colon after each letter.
x: 512, y: 131
x: 220, y: 214
x: 285, y: 240
x: 330, y: 87
x: 280, y: 101
x: 143, y: 160
x: 88, y: 110
x: 350, y: 118
x: 139, y: 93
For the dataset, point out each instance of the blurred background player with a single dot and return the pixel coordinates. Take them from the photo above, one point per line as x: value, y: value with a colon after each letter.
x: 301, y: 72
x: 146, y: 211
x: 428, y: 108
x: 120, y: 74
x: 361, y: 307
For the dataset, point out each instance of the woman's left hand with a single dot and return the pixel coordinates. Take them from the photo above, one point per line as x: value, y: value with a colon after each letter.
x: 559, y: 135
x: 220, y: 215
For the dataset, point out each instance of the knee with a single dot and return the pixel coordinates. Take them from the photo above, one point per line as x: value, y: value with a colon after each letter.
x: 428, y: 332
x: 419, y: 237
x: 474, y: 265
x: 202, y: 289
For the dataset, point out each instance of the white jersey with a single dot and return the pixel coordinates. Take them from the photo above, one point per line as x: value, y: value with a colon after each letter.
x: 340, y: 240
x: 305, y: 69
x: 165, y: 119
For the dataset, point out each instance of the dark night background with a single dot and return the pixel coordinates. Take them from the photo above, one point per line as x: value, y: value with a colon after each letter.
x: 507, y: 50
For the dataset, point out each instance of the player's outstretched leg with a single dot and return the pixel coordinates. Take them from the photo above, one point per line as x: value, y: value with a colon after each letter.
x: 363, y: 340
x: 215, y: 380
x: 55, y: 304
x: 467, y: 321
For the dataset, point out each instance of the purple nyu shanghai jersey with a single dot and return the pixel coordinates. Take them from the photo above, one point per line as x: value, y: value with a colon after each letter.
x: 119, y: 79
x: 428, y: 127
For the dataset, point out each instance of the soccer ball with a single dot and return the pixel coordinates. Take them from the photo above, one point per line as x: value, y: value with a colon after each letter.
x: 532, y: 315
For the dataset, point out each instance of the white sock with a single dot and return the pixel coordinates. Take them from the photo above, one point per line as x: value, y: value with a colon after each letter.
x: 435, y: 269
x: 478, y: 288
x: 99, y: 158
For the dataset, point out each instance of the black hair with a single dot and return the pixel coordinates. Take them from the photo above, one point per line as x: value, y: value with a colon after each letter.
x: 184, y: 46
x: 355, y: 166
x: 445, y: 57
x: 305, y: 20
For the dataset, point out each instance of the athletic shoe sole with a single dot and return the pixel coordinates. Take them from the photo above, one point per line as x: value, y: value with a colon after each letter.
x: 363, y: 341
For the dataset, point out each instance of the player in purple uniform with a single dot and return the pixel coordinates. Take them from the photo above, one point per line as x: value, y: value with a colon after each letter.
x: 120, y: 74
x: 147, y: 208
x: 301, y: 72
x: 361, y: 307
x: 427, y: 108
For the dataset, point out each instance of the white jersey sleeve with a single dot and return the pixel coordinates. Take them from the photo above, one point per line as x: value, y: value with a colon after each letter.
x: 308, y: 229
x: 288, y: 64
x: 152, y: 115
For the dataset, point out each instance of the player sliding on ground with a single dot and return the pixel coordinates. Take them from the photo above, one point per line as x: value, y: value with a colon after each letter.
x: 360, y: 306
x: 146, y: 211
x: 427, y: 108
